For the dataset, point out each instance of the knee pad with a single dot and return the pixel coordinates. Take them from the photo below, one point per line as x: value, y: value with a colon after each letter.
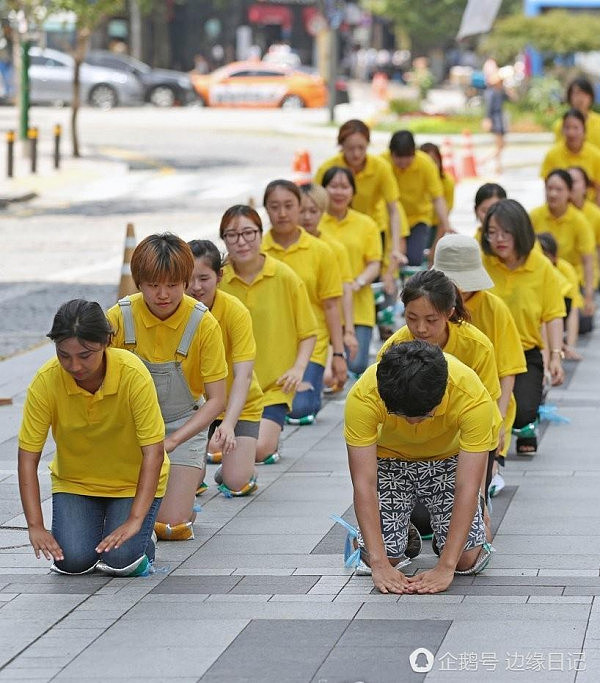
x: 178, y: 532
x: 246, y: 489
x: 54, y: 568
x: 140, y: 567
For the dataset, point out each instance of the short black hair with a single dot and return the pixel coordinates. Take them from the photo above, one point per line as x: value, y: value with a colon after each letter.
x: 82, y: 320
x: 548, y: 243
x: 563, y: 174
x: 330, y: 173
x: 208, y: 251
x: 574, y: 114
x: 489, y: 191
x: 582, y: 84
x: 402, y: 144
x: 513, y: 219
x: 412, y: 378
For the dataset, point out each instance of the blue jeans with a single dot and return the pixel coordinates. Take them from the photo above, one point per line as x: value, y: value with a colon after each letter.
x: 416, y: 243
x: 308, y: 402
x: 79, y: 523
x: 361, y: 360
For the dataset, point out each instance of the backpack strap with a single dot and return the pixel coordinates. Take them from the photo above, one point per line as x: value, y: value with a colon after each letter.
x: 190, y: 329
x: 128, y: 323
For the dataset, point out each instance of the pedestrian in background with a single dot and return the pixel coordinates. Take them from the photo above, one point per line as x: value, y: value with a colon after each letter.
x: 581, y: 96
x: 495, y: 120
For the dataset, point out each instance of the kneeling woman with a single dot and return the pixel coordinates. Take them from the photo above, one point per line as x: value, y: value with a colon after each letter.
x: 180, y: 343
x: 110, y: 471
x: 235, y: 432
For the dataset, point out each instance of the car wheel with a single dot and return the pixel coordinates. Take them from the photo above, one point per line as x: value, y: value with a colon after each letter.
x: 292, y: 102
x: 162, y: 96
x: 103, y: 96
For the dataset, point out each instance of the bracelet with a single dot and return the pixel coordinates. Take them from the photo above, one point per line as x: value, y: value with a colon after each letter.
x: 360, y: 281
x: 341, y: 354
x: 560, y: 352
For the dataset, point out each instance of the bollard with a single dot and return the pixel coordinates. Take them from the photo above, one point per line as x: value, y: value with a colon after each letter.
x: 32, y: 134
x: 57, y: 134
x: 10, y: 153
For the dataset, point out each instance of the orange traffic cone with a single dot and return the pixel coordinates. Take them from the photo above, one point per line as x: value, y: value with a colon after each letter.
x: 302, y: 174
x: 448, y: 158
x: 252, y: 202
x: 6, y: 401
x: 469, y: 166
x: 127, y: 285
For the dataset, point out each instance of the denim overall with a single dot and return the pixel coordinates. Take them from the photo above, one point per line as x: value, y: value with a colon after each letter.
x: 174, y: 397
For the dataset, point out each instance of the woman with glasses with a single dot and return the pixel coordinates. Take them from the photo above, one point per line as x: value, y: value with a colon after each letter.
x: 283, y: 322
x: 313, y: 261
x: 524, y: 279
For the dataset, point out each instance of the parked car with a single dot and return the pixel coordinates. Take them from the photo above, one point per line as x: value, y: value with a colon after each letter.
x: 162, y: 87
x: 51, y: 82
x: 259, y: 84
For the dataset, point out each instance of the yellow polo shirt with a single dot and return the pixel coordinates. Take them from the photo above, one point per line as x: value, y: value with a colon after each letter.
x: 98, y: 436
x: 341, y: 256
x: 374, y: 184
x: 238, y: 339
x: 466, y: 343
x: 157, y: 341
x: 569, y: 283
x: 572, y: 233
x: 592, y: 129
x: 592, y: 212
x: 282, y: 317
x: 313, y: 261
x: 465, y: 420
x: 559, y: 156
x: 418, y: 185
x: 359, y: 234
x: 491, y: 315
x: 448, y: 187
x: 531, y: 291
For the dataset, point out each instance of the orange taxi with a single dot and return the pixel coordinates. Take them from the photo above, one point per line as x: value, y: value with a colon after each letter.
x: 258, y: 84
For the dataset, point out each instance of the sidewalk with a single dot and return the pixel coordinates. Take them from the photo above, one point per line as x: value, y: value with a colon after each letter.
x: 261, y: 594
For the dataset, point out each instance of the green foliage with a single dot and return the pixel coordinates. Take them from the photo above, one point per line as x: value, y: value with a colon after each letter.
x: 442, y: 125
x: 89, y: 14
x: 558, y: 32
x: 541, y: 101
x: 404, y: 106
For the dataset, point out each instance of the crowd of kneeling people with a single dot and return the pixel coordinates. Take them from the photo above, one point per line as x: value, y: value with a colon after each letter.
x: 216, y: 353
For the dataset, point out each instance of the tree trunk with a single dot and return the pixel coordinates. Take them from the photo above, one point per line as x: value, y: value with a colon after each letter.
x: 81, y: 47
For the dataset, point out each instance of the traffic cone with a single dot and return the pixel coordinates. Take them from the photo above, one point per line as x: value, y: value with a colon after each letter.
x: 302, y: 174
x: 252, y: 202
x: 448, y: 158
x: 469, y: 166
x: 127, y: 285
x: 6, y: 401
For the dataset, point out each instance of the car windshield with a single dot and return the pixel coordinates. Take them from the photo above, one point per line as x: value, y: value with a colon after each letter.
x: 112, y: 61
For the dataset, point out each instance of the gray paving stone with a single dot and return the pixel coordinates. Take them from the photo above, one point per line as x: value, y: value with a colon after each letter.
x: 196, y: 584
x: 255, y: 544
x: 274, y: 584
x: 312, y: 641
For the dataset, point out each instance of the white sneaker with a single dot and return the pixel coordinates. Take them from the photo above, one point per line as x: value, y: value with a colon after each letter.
x: 497, y: 484
x: 362, y: 569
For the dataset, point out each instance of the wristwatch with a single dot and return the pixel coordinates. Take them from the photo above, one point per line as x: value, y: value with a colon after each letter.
x: 339, y: 354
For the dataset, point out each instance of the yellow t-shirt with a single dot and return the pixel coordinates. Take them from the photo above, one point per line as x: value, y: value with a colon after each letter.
x: 238, y: 339
x: 359, y: 234
x: 559, y: 156
x: 448, y: 187
x: 157, y: 341
x: 418, y: 185
x: 341, y: 256
x: 592, y: 129
x: 592, y: 212
x: 465, y: 420
x: 374, y: 184
x: 466, y: 343
x: 313, y: 261
x: 572, y: 233
x: 569, y: 283
x: 282, y: 317
x: 531, y: 291
x: 98, y: 436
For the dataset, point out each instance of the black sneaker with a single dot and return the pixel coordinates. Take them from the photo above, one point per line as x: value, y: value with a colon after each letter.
x: 434, y: 546
x: 414, y: 544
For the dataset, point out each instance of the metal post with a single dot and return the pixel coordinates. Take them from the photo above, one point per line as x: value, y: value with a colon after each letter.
x: 10, y: 153
x: 333, y: 60
x: 57, y: 134
x: 32, y: 134
x: 24, y: 94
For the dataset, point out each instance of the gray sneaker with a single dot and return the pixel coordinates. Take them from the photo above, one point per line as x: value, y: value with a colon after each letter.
x: 414, y: 543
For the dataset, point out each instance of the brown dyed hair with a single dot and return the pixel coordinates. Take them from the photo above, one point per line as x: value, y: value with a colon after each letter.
x: 353, y: 126
x: 284, y: 185
x: 162, y: 257
x: 235, y: 212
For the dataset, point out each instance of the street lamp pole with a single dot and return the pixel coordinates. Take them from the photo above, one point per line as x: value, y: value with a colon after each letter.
x: 334, y: 12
